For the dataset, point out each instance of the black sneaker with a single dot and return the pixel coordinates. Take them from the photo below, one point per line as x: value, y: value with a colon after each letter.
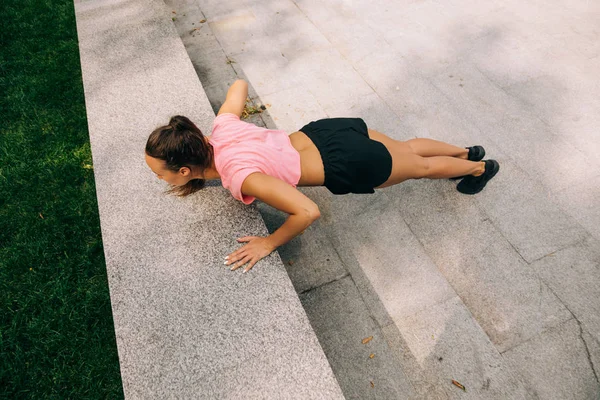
x: 475, y: 184
x: 476, y: 153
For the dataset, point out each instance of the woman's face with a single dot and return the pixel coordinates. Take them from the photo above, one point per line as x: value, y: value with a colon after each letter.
x: 179, y: 178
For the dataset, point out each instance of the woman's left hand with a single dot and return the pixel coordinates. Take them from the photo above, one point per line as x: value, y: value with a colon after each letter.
x: 256, y: 249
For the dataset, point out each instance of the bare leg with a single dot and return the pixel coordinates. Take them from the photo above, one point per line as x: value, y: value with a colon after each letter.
x: 411, y: 166
x: 421, y: 147
x: 448, y: 167
x: 426, y: 158
x: 432, y: 148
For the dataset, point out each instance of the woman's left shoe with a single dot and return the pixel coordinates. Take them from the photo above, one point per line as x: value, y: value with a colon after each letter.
x: 474, y: 184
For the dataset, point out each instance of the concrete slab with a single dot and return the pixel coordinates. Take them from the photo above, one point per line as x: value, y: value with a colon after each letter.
x: 192, y: 25
x: 359, y: 375
x: 288, y: 27
x: 239, y: 31
x: 556, y: 364
x: 511, y: 53
x: 573, y: 29
x: 514, y: 127
x: 427, y: 385
x: 574, y: 275
x: 344, y: 27
x: 393, y: 78
x: 524, y: 211
x: 403, y: 276
x: 446, y: 341
x: 581, y: 202
x: 507, y: 299
x: 554, y: 98
x: 429, y: 35
x: 180, y: 315
x: 327, y: 75
x: 214, y: 9
x: 582, y: 132
x: 593, y: 351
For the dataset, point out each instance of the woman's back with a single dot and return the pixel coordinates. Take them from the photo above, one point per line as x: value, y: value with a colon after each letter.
x: 241, y: 148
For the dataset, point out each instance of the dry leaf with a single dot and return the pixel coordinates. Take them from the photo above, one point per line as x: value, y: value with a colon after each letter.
x: 291, y: 262
x: 367, y: 340
x: 372, y: 384
x: 202, y: 21
x: 458, y: 385
x: 372, y: 355
x: 41, y: 216
x: 249, y: 109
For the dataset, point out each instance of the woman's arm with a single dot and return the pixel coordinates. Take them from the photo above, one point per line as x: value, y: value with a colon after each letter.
x: 236, y: 98
x: 283, y: 196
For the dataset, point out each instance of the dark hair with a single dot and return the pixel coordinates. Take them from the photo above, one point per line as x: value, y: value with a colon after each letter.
x: 181, y: 144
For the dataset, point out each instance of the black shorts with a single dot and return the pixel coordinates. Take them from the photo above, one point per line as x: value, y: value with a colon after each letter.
x: 353, y: 162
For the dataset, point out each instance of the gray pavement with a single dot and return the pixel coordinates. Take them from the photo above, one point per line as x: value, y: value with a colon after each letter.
x: 498, y: 291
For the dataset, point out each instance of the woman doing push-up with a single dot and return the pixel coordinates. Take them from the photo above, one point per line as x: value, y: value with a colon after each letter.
x: 342, y: 154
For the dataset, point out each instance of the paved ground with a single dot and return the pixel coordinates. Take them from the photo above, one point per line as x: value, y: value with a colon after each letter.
x: 499, y: 291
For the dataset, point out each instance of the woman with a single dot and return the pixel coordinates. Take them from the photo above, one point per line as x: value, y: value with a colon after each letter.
x: 341, y: 154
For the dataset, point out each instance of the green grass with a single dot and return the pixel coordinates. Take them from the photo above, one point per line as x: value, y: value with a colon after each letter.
x: 56, y: 331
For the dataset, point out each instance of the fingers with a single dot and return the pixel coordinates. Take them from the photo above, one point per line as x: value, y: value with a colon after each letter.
x: 249, y: 267
x: 236, y: 254
x: 246, y: 254
x: 241, y: 262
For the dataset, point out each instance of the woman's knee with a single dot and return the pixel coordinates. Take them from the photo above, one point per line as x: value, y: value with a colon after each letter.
x: 409, y: 145
x: 422, y: 167
x: 410, y: 166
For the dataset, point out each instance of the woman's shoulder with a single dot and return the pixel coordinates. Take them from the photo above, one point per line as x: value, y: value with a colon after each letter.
x: 225, y: 119
x: 228, y: 124
x: 227, y: 116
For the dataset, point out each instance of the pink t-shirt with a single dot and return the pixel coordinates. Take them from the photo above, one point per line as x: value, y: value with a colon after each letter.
x: 242, y: 148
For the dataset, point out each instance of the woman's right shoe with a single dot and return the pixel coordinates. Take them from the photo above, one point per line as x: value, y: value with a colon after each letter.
x: 476, y: 153
x: 475, y: 184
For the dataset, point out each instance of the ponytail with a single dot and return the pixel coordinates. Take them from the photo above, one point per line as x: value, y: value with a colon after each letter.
x: 181, y: 144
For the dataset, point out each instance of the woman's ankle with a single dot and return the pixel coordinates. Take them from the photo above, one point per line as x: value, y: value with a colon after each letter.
x: 480, y: 170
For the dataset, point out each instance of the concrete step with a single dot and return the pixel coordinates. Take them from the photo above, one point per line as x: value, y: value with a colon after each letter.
x: 186, y: 326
